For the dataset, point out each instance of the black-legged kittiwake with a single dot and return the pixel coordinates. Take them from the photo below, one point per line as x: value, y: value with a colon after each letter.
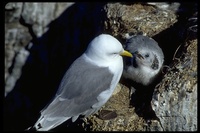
x: 142, y: 72
x: 147, y: 59
x: 87, y: 84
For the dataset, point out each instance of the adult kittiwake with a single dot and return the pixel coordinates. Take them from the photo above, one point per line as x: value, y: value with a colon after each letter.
x: 87, y: 84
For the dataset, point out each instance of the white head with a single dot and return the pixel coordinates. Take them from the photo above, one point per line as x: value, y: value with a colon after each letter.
x: 105, y: 47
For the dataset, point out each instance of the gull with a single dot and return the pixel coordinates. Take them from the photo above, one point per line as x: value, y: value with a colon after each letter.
x: 87, y: 85
x: 142, y: 72
x: 147, y: 59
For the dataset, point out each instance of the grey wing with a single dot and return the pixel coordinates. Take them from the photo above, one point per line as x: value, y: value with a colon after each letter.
x: 79, y: 90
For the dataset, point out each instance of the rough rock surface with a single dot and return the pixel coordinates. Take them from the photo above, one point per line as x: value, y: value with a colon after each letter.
x: 126, y: 120
x: 42, y: 39
x: 16, y: 38
x: 41, y: 16
x: 136, y: 18
x: 175, y: 100
x: 23, y: 22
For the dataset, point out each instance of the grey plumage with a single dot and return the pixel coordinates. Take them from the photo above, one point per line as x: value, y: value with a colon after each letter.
x: 87, y: 84
x: 74, y: 96
x: 147, y: 59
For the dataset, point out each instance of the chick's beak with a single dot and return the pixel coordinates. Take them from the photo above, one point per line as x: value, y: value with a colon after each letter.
x: 126, y: 53
x: 139, y: 55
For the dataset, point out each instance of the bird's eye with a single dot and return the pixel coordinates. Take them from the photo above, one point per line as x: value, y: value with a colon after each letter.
x: 146, y: 55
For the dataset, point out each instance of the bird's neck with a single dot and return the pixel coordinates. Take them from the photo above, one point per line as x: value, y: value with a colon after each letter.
x: 113, y: 64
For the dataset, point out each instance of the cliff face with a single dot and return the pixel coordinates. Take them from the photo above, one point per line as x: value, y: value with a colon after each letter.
x: 43, y: 39
x: 175, y: 100
x: 25, y: 22
x: 171, y: 104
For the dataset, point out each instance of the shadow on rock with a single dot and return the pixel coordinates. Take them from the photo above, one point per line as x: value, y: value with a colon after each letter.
x: 50, y: 56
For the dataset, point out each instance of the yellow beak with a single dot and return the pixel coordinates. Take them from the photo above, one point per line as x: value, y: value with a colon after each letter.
x: 126, y: 53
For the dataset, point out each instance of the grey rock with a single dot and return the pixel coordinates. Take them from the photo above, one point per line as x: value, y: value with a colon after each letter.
x: 39, y: 15
x: 17, y: 70
x: 17, y: 36
x: 123, y: 18
x: 175, y: 101
x: 13, y: 11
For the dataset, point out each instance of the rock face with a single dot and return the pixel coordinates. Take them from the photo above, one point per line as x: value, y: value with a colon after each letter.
x: 23, y: 22
x: 43, y: 39
x: 175, y: 100
x: 41, y: 15
x: 16, y: 38
x: 126, y: 120
x: 136, y: 18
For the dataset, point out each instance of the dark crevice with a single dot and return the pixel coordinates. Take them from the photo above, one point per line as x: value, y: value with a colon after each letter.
x: 30, y: 28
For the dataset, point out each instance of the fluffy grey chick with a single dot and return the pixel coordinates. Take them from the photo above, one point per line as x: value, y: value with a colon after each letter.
x: 147, y: 59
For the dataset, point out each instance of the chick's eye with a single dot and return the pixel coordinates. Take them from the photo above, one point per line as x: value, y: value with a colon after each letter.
x: 146, y: 55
